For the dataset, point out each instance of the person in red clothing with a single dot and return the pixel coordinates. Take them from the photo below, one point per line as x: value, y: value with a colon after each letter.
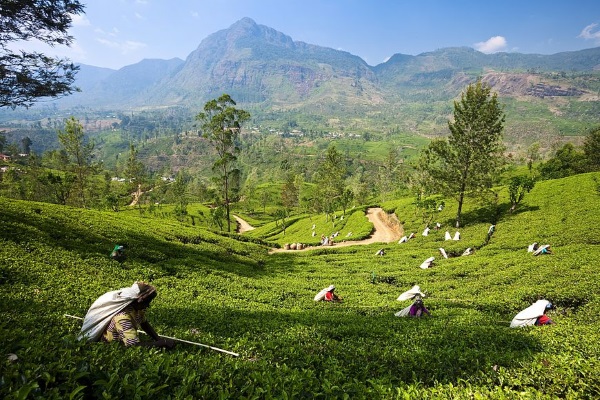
x: 331, y: 296
x: 544, y: 319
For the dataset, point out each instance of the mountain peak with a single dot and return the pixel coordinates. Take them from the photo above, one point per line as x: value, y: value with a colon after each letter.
x: 246, y: 28
x: 243, y: 23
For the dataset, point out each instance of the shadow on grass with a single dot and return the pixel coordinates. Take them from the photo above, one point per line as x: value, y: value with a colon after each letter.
x: 89, y: 234
x: 364, y: 346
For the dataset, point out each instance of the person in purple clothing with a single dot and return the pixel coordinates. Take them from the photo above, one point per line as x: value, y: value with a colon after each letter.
x: 418, y: 309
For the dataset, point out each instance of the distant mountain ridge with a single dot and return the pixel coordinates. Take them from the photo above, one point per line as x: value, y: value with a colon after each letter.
x: 266, y: 69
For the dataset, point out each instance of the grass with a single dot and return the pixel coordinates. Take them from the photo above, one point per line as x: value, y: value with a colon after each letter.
x: 229, y: 293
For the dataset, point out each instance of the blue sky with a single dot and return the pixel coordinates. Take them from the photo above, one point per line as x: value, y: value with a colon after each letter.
x: 115, y: 33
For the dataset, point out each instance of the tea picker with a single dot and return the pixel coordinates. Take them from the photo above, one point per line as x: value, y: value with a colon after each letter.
x: 175, y: 339
x: 117, y: 315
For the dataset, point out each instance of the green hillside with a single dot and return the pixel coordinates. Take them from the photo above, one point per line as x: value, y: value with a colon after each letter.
x: 230, y: 293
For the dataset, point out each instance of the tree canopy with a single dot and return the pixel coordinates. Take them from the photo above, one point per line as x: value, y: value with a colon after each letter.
x: 27, y: 76
x: 221, y: 123
x: 467, y: 162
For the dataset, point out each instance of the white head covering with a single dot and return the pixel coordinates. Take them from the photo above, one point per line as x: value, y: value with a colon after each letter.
x: 529, y: 315
x: 104, y: 308
x: 410, y: 294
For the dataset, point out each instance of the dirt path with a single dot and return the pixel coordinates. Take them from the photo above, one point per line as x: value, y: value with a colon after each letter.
x: 386, y: 229
x: 243, y: 226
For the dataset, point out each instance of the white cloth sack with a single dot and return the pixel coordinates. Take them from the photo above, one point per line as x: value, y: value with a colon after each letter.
x: 410, y: 294
x: 529, y: 315
x: 321, y: 295
x: 426, y: 231
x: 443, y: 252
x: 447, y: 236
x: 103, y: 309
x: 457, y: 235
x: 427, y: 263
x: 404, y: 239
x: 404, y: 312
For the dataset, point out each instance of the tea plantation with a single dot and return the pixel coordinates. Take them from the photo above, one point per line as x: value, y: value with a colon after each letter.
x: 228, y: 292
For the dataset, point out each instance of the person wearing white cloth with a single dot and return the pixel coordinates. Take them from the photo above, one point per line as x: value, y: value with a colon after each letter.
x: 545, y: 249
x: 535, y: 314
x: 427, y: 263
x: 417, y: 308
x: 118, y: 315
x: 327, y: 294
x: 447, y: 236
x: 443, y: 252
x: 426, y: 231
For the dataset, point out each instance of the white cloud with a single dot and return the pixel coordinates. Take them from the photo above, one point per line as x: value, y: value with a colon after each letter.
x: 195, y: 14
x: 387, y: 59
x: 587, y: 33
x: 125, y: 47
x: 80, y: 20
x: 139, y: 16
x: 492, y: 45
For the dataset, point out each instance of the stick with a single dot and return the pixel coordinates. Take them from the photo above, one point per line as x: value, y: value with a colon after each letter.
x: 178, y: 340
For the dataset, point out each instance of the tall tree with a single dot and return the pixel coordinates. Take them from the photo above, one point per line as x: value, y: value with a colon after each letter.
x: 179, y: 192
x: 26, y: 143
x: 134, y: 173
x: 289, y: 193
x: 330, y: 180
x: 389, y: 174
x: 221, y: 123
x: 591, y: 148
x: 80, y: 154
x: 27, y: 76
x: 517, y: 188
x: 468, y: 161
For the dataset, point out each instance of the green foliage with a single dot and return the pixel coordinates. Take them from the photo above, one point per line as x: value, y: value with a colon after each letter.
x: 468, y: 162
x: 566, y: 162
x: 79, y: 153
x: 221, y: 124
x: 29, y: 76
x: 232, y: 295
x: 518, y: 187
x: 591, y: 148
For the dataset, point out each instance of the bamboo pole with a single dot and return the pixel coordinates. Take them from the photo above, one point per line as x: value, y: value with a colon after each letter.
x: 178, y: 340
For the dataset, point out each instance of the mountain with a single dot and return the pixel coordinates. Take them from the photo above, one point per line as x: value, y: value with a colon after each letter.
x: 257, y: 64
x: 268, y: 72
x: 104, y: 87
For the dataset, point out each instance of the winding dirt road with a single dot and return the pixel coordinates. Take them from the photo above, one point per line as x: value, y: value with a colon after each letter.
x: 386, y: 229
x: 243, y: 226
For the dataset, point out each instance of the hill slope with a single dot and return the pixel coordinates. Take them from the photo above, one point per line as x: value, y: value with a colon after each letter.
x: 226, y: 293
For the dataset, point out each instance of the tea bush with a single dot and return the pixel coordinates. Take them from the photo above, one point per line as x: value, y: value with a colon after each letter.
x: 231, y: 294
